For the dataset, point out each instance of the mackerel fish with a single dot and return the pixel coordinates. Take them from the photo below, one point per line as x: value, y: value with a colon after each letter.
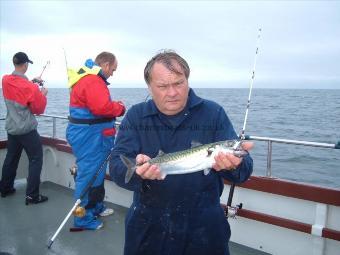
x: 198, y: 158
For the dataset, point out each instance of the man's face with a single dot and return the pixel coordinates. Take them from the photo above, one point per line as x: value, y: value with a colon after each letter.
x: 108, y: 69
x: 26, y: 67
x: 169, y: 90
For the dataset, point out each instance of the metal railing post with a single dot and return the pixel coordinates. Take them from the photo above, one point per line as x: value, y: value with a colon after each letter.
x: 54, y: 134
x: 269, y: 159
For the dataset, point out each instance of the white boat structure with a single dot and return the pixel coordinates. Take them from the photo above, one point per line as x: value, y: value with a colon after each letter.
x: 277, y: 216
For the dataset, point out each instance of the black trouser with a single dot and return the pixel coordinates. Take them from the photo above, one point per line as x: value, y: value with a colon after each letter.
x: 31, y: 143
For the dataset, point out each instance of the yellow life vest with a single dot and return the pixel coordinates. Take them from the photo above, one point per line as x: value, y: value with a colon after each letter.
x: 74, y: 75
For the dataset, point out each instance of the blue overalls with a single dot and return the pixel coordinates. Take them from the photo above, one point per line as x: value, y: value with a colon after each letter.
x: 90, y: 148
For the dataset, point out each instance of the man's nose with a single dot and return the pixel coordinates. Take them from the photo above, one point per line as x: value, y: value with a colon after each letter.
x: 172, y: 91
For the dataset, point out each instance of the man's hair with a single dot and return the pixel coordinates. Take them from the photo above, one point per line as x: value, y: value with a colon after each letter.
x: 169, y: 59
x: 105, y: 57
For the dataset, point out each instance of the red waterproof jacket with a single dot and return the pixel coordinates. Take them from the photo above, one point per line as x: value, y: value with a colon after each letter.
x: 91, y: 93
x: 23, y: 99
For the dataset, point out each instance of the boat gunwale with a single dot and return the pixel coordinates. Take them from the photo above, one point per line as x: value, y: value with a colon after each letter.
x: 277, y: 186
x: 285, y: 223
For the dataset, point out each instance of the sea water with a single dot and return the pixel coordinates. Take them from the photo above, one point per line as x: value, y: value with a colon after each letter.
x: 301, y: 114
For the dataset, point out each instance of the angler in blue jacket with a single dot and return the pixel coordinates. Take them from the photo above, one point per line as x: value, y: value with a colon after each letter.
x: 180, y: 214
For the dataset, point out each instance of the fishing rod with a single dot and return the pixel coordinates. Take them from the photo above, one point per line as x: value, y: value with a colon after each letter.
x: 242, y: 136
x: 66, y: 65
x: 47, y: 63
x: 38, y: 80
x: 69, y: 72
x: 65, y: 60
x: 231, y: 211
x: 76, y: 209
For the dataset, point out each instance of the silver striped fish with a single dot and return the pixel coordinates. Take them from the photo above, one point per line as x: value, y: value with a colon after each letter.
x: 199, y: 157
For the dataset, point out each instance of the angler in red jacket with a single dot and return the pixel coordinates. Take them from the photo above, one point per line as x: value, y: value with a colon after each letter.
x: 23, y: 99
x: 91, y: 133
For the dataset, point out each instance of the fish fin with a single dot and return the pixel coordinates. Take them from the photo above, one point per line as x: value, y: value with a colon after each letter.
x: 131, y: 167
x: 240, y: 153
x: 163, y: 175
x: 195, y: 144
x: 206, y: 171
x: 160, y: 153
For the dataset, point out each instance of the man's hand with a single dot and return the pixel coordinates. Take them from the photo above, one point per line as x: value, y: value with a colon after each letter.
x: 38, y: 81
x: 227, y: 161
x: 44, y: 91
x: 145, y: 170
x: 123, y: 108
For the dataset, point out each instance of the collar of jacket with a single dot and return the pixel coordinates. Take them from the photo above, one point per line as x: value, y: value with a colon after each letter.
x: 74, y: 75
x: 19, y: 74
x: 101, y: 75
x: 193, y: 101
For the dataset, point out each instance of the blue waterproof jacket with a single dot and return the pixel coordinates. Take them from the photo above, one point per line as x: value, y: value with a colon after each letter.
x: 180, y: 214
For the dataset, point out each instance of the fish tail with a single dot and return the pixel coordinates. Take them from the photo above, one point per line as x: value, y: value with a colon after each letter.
x: 131, y: 167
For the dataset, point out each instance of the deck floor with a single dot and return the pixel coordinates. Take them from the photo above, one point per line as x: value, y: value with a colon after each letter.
x: 26, y: 230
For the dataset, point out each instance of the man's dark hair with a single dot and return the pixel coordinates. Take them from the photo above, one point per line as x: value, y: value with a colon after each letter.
x: 105, y: 57
x: 168, y: 58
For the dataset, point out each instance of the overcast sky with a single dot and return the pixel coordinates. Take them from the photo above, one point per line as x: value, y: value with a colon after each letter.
x: 299, y: 46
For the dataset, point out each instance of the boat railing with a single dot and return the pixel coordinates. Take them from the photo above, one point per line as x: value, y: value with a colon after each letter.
x: 268, y: 140
x: 54, y: 122
x: 271, y: 140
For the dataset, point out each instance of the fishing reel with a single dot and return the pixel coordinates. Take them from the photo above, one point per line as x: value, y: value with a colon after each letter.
x: 231, y: 211
x: 79, y: 211
x: 39, y: 82
x: 73, y: 170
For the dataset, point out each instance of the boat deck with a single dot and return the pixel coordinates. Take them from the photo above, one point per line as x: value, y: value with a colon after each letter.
x: 26, y: 230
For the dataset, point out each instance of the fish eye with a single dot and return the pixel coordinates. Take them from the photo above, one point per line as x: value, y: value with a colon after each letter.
x: 210, y: 151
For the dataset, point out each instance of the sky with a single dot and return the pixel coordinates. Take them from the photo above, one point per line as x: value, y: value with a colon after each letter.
x: 299, y: 45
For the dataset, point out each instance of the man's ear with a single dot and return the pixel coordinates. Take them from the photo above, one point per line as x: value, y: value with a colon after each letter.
x: 149, y: 89
x: 104, y: 65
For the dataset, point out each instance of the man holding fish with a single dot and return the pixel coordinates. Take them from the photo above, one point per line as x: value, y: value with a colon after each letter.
x: 173, y: 152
